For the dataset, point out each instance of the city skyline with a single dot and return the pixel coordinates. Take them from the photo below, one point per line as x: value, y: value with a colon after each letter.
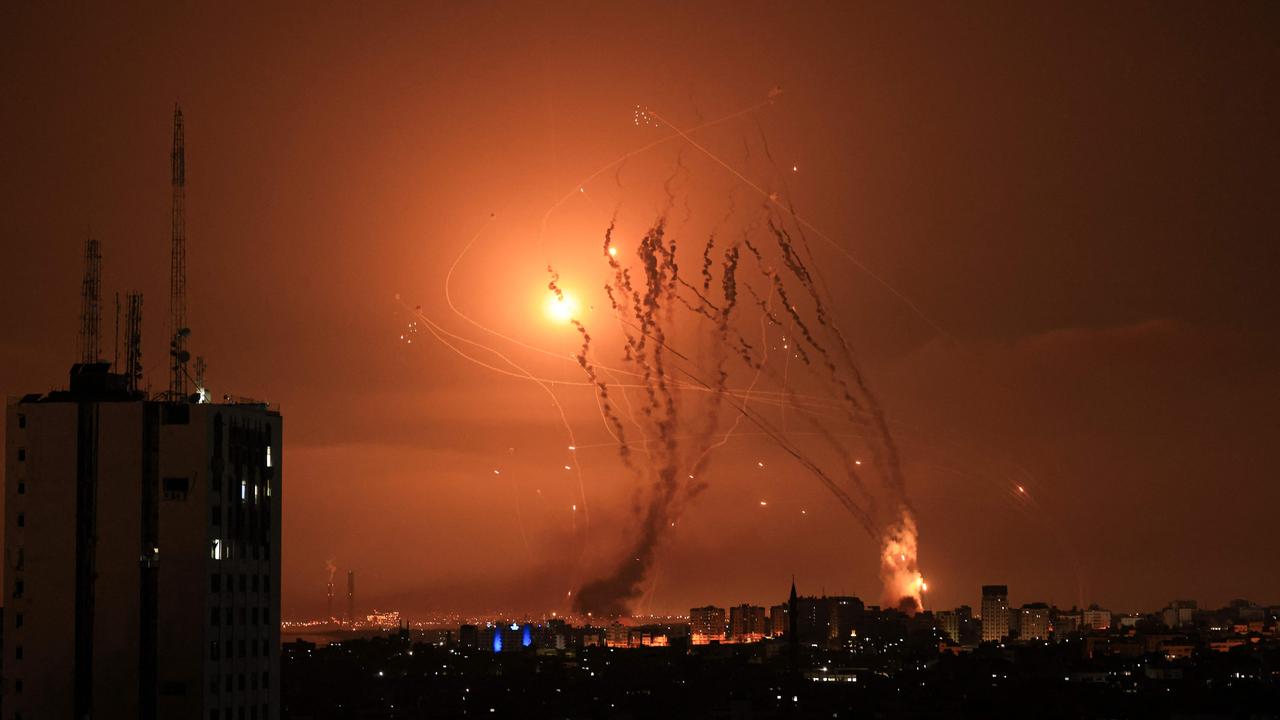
x: 1052, y: 258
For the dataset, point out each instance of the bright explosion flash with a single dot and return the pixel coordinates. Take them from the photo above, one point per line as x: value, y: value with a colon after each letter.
x: 561, y: 308
x: 903, y: 583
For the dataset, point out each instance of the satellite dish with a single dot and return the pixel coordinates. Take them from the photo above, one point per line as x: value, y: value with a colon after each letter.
x: 184, y: 332
x: 183, y: 356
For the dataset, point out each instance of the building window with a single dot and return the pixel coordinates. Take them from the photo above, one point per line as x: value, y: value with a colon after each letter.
x: 17, y: 620
x: 215, y: 617
x: 22, y: 454
x: 22, y: 487
x: 22, y: 421
x: 268, y: 456
x: 213, y: 650
x: 215, y: 582
x: 22, y: 520
x: 255, y: 583
x: 213, y: 713
x: 18, y: 587
x: 17, y: 652
x: 215, y: 516
x: 216, y: 552
x: 17, y: 686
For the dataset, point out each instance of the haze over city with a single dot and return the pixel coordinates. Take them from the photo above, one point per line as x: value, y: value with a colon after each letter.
x: 1048, y: 238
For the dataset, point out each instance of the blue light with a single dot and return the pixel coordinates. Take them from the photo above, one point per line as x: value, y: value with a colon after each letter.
x: 527, y: 639
x: 497, y: 639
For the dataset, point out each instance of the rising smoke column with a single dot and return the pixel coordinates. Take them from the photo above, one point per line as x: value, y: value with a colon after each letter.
x: 678, y: 431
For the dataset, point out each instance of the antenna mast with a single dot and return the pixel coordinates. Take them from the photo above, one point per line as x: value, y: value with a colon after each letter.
x: 133, y: 340
x: 91, y: 304
x: 178, y: 267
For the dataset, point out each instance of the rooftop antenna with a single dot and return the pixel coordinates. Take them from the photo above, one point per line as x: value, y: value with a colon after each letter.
x: 91, y: 304
x: 200, y: 367
x: 178, y: 267
x: 133, y: 340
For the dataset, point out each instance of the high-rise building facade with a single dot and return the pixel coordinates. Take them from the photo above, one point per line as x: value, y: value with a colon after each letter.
x: 142, y: 551
x: 706, y: 624
x: 1096, y: 618
x: 778, y: 621
x: 1179, y: 613
x: 995, y: 613
x: 1033, y: 622
x: 949, y: 624
x: 747, y: 623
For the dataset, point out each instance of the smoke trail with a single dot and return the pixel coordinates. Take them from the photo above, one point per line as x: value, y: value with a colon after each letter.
x: 647, y: 306
x: 899, y: 573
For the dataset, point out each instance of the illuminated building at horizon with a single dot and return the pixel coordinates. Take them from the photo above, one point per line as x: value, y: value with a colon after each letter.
x: 995, y: 613
x: 747, y: 623
x: 706, y: 624
x: 1033, y: 621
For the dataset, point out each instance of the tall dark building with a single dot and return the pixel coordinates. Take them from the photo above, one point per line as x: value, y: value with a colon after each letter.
x: 142, y: 532
x: 143, y: 546
x: 995, y: 613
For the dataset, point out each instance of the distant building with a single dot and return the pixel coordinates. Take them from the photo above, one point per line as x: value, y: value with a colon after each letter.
x: 1033, y: 623
x: 948, y: 623
x: 778, y: 620
x: 995, y: 613
x: 1067, y: 622
x: 1095, y: 618
x: 845, y: 612
x: 468, y: 636
x: 747, y: 623
x: 505, y: 637
x: 813, y: 620
x: 617, y: 635
x: 706, y: 624
x: 1179, y: 613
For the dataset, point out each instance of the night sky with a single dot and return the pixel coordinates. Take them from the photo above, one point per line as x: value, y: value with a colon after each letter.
x: 1080, y: 202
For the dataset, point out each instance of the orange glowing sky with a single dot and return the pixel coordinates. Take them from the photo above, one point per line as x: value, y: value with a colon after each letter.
x: 1078, y: 199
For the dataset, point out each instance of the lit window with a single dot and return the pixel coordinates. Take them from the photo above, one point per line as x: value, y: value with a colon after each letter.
x: 216, y: 554
x: 268, y: 456
x: 244, y: 489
